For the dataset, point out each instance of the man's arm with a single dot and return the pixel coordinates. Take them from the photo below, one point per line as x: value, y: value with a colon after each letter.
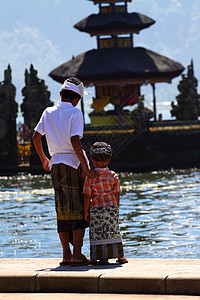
x: 76, y: 144
x: 87, y: 199
x: 39, y: 148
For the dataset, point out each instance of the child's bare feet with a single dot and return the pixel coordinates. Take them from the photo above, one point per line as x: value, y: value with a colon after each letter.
x: 122, y: 260
x: 103, y: 262
x: 93, y: 262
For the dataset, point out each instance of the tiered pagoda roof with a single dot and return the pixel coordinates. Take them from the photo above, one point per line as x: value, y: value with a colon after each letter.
x: 120, y: 64
x: 116, y: 60
x: 100, y: 24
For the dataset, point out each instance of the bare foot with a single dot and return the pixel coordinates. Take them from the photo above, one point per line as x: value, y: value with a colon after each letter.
x: 79, y: 258
x: 67, y: 259
x: 103, y: 262
x: 122, y: 260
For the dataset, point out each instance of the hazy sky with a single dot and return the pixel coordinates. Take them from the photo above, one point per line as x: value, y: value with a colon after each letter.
x: 41, y: 32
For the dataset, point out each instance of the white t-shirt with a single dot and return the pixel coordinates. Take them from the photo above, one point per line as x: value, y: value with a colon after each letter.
x: 59, y: 123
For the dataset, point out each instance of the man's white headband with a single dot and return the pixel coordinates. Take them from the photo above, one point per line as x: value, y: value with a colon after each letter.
x: 79, y: 89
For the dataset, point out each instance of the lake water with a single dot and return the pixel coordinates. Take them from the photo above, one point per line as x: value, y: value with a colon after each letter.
x: 159, y: 216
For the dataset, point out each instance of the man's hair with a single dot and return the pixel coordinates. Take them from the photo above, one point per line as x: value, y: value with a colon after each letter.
x: 67, y: 94
x: 100, y: 151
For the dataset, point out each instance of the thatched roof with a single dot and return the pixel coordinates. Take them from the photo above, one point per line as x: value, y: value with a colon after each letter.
x: 136, y: 64
x: 124, y: 22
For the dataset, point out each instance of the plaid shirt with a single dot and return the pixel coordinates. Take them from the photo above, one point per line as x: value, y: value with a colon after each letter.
x: 103, y: 188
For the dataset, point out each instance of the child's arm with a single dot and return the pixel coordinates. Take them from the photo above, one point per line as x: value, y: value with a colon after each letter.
x: 117, y: 198
x: 87, y: 199
x: 76, y: 144
x: 39, y: 148
x: 117, y: 189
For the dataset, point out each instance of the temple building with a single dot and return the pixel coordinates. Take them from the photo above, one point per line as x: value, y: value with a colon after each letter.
x: 116, y: 68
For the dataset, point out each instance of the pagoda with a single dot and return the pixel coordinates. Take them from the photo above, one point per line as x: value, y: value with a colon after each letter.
x: 116, y: 68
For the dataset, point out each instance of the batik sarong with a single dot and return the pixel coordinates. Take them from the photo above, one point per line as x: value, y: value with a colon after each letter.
x: 69, y: 202
x: 105, y: 237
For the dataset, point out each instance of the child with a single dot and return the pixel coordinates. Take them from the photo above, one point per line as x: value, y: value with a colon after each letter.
x: 101, y: 208
x: 62, y: 125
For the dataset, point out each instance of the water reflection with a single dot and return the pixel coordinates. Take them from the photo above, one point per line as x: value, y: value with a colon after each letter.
x: 159, y: 215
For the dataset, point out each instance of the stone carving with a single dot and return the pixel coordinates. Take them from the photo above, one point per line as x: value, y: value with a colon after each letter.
x: 8, y: 115
x: 188, y: 100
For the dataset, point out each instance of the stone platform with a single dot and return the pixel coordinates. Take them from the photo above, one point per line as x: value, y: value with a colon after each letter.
x: 139, y: 276
x: 75, y: 296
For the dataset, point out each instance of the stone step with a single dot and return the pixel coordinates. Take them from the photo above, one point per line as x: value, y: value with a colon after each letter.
x: 143, y: 276
x: 75, y: 296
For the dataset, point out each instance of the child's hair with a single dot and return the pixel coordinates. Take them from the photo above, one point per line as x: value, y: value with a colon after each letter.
x: 100, y: 151
x: 67, y: 94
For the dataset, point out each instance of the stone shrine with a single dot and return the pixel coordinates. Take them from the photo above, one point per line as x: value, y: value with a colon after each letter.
x: 8, y: 115
x: 188, y: 107
x: 36, y: 99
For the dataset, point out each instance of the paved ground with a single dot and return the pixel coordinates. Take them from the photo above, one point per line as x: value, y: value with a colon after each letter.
x: 139, y: 276
x: 75, y: 296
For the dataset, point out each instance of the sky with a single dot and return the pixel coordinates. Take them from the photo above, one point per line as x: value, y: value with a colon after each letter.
x: 41, y: 32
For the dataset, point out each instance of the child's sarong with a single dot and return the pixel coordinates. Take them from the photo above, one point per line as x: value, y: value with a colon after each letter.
x: 69, y: 202
x: 105, y: 237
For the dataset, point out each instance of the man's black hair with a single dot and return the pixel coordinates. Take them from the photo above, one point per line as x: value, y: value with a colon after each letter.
x: 67, y: 94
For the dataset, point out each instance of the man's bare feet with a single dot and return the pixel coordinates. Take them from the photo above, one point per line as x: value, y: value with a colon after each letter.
x: 79, y: 258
